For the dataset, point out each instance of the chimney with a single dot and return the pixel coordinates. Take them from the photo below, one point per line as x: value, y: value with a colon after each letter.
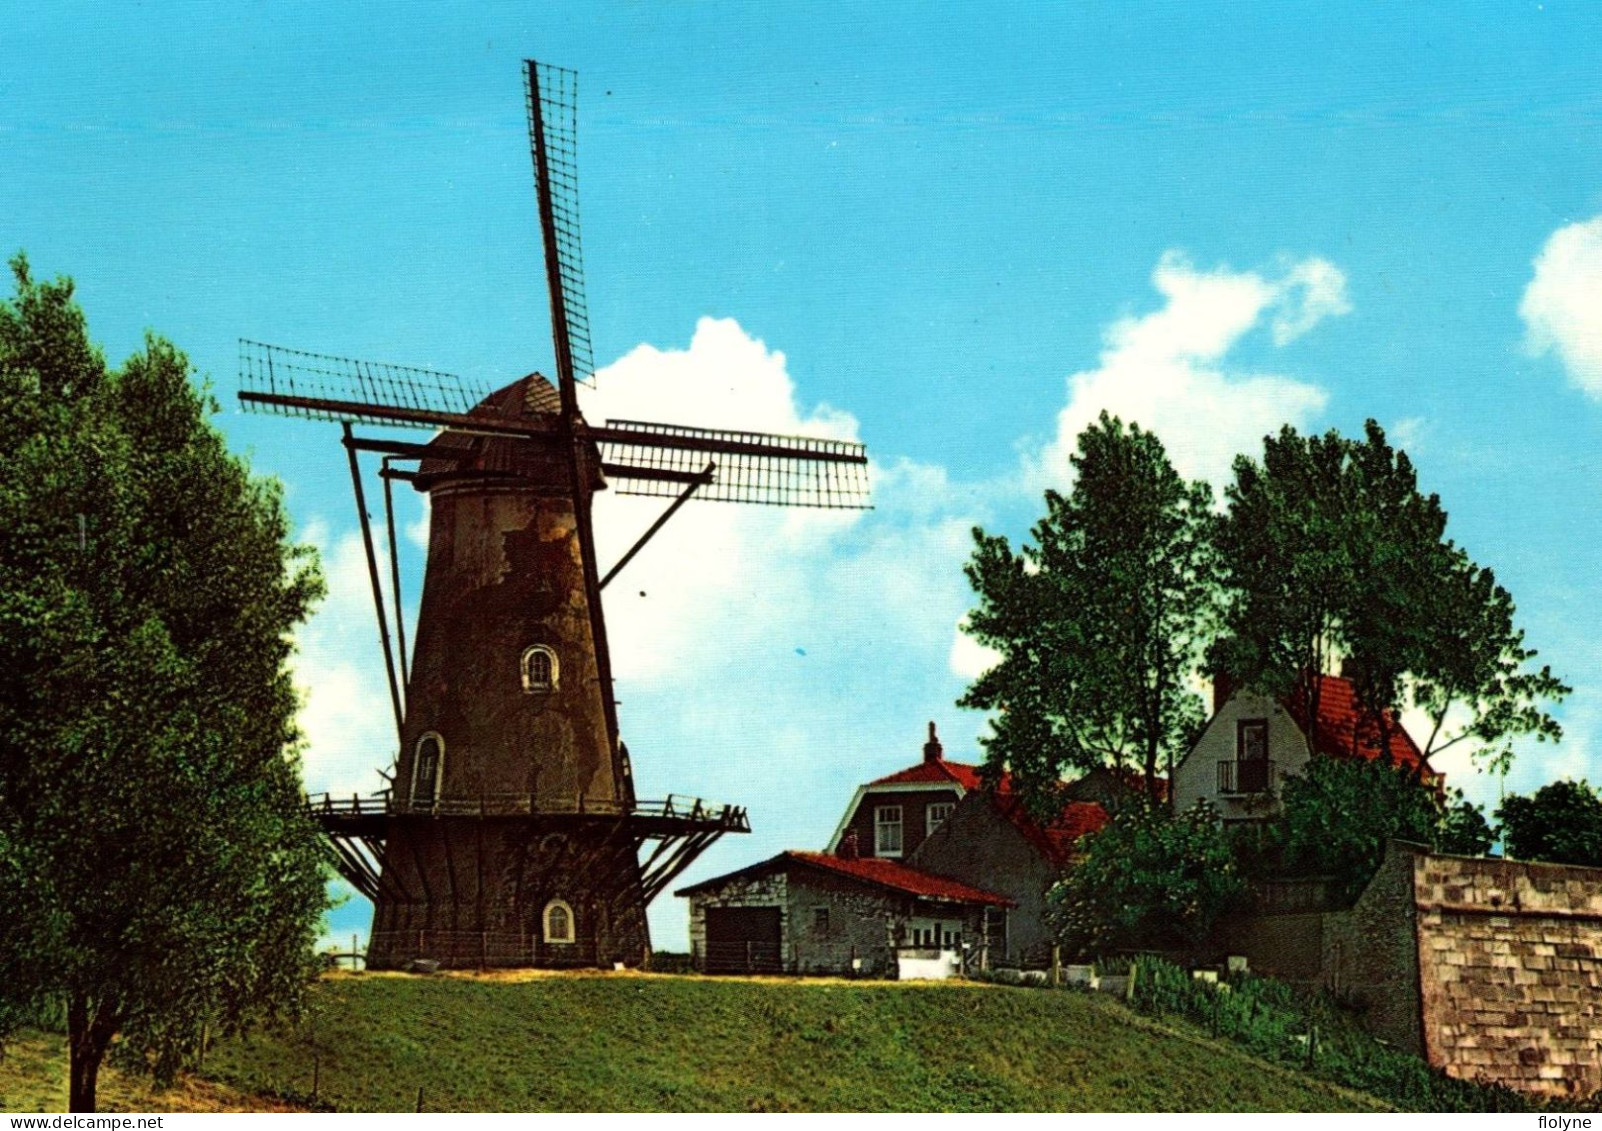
x: 1223, y: 689
x: 847, y: 849
x: 932, y: 750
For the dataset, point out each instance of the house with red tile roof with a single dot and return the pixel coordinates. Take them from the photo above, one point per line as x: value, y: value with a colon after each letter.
x: 930, y: 832
x: 818, y: 913
x: 1254, y: 742
x: 992, y: 838
x: 889, y: 817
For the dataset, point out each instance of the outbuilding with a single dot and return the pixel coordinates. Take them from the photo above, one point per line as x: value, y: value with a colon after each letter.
x: 816, y: 913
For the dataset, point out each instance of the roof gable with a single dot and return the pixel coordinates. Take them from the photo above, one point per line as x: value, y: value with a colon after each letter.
x: 1344, y: 732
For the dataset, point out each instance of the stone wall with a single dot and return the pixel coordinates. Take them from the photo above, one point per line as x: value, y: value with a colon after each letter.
x: 862, y: 924
x: 1370, y: 953
x: 1510, y: 969
x: 770, y: 889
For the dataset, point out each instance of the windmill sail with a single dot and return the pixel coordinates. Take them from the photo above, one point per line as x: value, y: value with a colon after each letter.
x: 749, y: 467
x: 325, y: 387
x: 552, y: 102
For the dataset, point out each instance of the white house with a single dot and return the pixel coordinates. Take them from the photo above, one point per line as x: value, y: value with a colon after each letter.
x: 1253, y: 742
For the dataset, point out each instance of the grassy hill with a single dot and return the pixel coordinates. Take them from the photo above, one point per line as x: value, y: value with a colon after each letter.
x: 657, y: 1043
x: 632, y: 1042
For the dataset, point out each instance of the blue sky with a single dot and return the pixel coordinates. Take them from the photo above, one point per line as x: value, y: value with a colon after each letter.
x: 956, y: 232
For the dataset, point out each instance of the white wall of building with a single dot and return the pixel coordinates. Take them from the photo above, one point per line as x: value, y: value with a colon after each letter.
x: 1196, y: 777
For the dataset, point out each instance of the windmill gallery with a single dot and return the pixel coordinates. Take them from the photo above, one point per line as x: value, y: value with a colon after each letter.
x: 511, y: 834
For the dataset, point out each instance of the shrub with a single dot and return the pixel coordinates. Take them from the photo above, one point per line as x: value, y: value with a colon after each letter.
x: 1148, y: 881
x: 1309, y: 1033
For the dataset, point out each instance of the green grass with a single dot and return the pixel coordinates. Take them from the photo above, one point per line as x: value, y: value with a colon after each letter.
x: 643, y: 1043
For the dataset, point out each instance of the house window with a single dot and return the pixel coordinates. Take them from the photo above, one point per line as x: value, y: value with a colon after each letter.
x: 540, y: 669
x: 1252, y: 740
x: 936, y: 815
x: 820, y: 920
x: 887, y: 830
x: 558, y: 922
x: 427, y: 769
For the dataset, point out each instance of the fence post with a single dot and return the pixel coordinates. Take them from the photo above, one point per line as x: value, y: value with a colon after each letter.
x: 1056, y: 965
x: 419, y: 1097
x: 748, y: 965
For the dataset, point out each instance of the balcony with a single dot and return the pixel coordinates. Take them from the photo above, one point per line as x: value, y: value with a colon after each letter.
x: 1237, y: 778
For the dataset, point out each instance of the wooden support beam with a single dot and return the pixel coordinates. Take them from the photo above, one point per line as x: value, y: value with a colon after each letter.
x: 394, y: 578
x: 378, y: 592
x: 684, y: 496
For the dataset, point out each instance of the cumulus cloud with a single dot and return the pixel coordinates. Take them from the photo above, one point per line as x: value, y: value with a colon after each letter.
x: 345, y: 716
x: 1562, y: 305
x: 1170, y: 370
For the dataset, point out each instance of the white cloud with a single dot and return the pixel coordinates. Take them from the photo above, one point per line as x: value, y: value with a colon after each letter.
x: 1562, y: 306
x: 969, y: 658
x: 1409, y: 433
x: 1169, y: 370
x: 346, y: 715
x: 1311, y: 291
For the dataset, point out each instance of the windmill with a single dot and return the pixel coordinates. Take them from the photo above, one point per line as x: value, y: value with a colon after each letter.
x: 511, y: 834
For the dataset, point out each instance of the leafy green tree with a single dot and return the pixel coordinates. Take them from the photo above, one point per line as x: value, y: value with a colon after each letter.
x: 157, y: 867
x: 1149, y: 880
x: 1331, y: 554
x: 1098, y: 621
x: 1338, y: 814
x: 1560, y: 823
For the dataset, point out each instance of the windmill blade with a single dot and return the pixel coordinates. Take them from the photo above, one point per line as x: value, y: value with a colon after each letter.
x: 552, y: 102
x: 642, y: 458
x: 324, y: 387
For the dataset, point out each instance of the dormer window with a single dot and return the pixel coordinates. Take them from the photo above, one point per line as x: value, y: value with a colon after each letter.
x: 540, y: 669
x: 887, y: 830
x: 427, y: 769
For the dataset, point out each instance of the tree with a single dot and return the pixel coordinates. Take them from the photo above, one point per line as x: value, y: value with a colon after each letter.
x: 156, y: 862
x: 1331, y: 554
x: 1148, y: 880
x: 1338, y: 814
x: 1560, y: 823
x: 1097, y: 622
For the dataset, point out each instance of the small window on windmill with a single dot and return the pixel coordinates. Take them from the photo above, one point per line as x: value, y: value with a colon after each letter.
x: 820, y: 920
x: 427, y: 768
x: 540, y: 670
x: 558, y: 922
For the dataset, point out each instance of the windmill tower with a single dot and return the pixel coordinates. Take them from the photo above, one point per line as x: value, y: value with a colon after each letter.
x: 511, y: 834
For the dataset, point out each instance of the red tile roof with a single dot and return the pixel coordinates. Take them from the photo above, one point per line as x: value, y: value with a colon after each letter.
x: 933, y: 773
x: 1057, y: 839
x: 895, y: 875
x: 1339, y: 718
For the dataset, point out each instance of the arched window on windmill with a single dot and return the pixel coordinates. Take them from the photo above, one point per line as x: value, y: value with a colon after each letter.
x: 427, y: 769
x: 540, y: 669
x: 559, y: 924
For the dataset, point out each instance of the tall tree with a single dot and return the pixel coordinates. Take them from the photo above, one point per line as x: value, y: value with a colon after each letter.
x: 156, y: 863
x: 1331, y: 555
x: 1098, y: 621
x: 1560, y: 823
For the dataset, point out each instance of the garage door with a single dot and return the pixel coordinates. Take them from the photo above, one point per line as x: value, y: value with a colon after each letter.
x: 742, y: 940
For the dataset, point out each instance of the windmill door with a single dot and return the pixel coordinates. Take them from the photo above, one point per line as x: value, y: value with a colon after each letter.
x: 743, y: 940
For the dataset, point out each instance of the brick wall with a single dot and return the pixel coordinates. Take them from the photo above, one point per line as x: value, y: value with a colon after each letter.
x: 1510, y: 968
